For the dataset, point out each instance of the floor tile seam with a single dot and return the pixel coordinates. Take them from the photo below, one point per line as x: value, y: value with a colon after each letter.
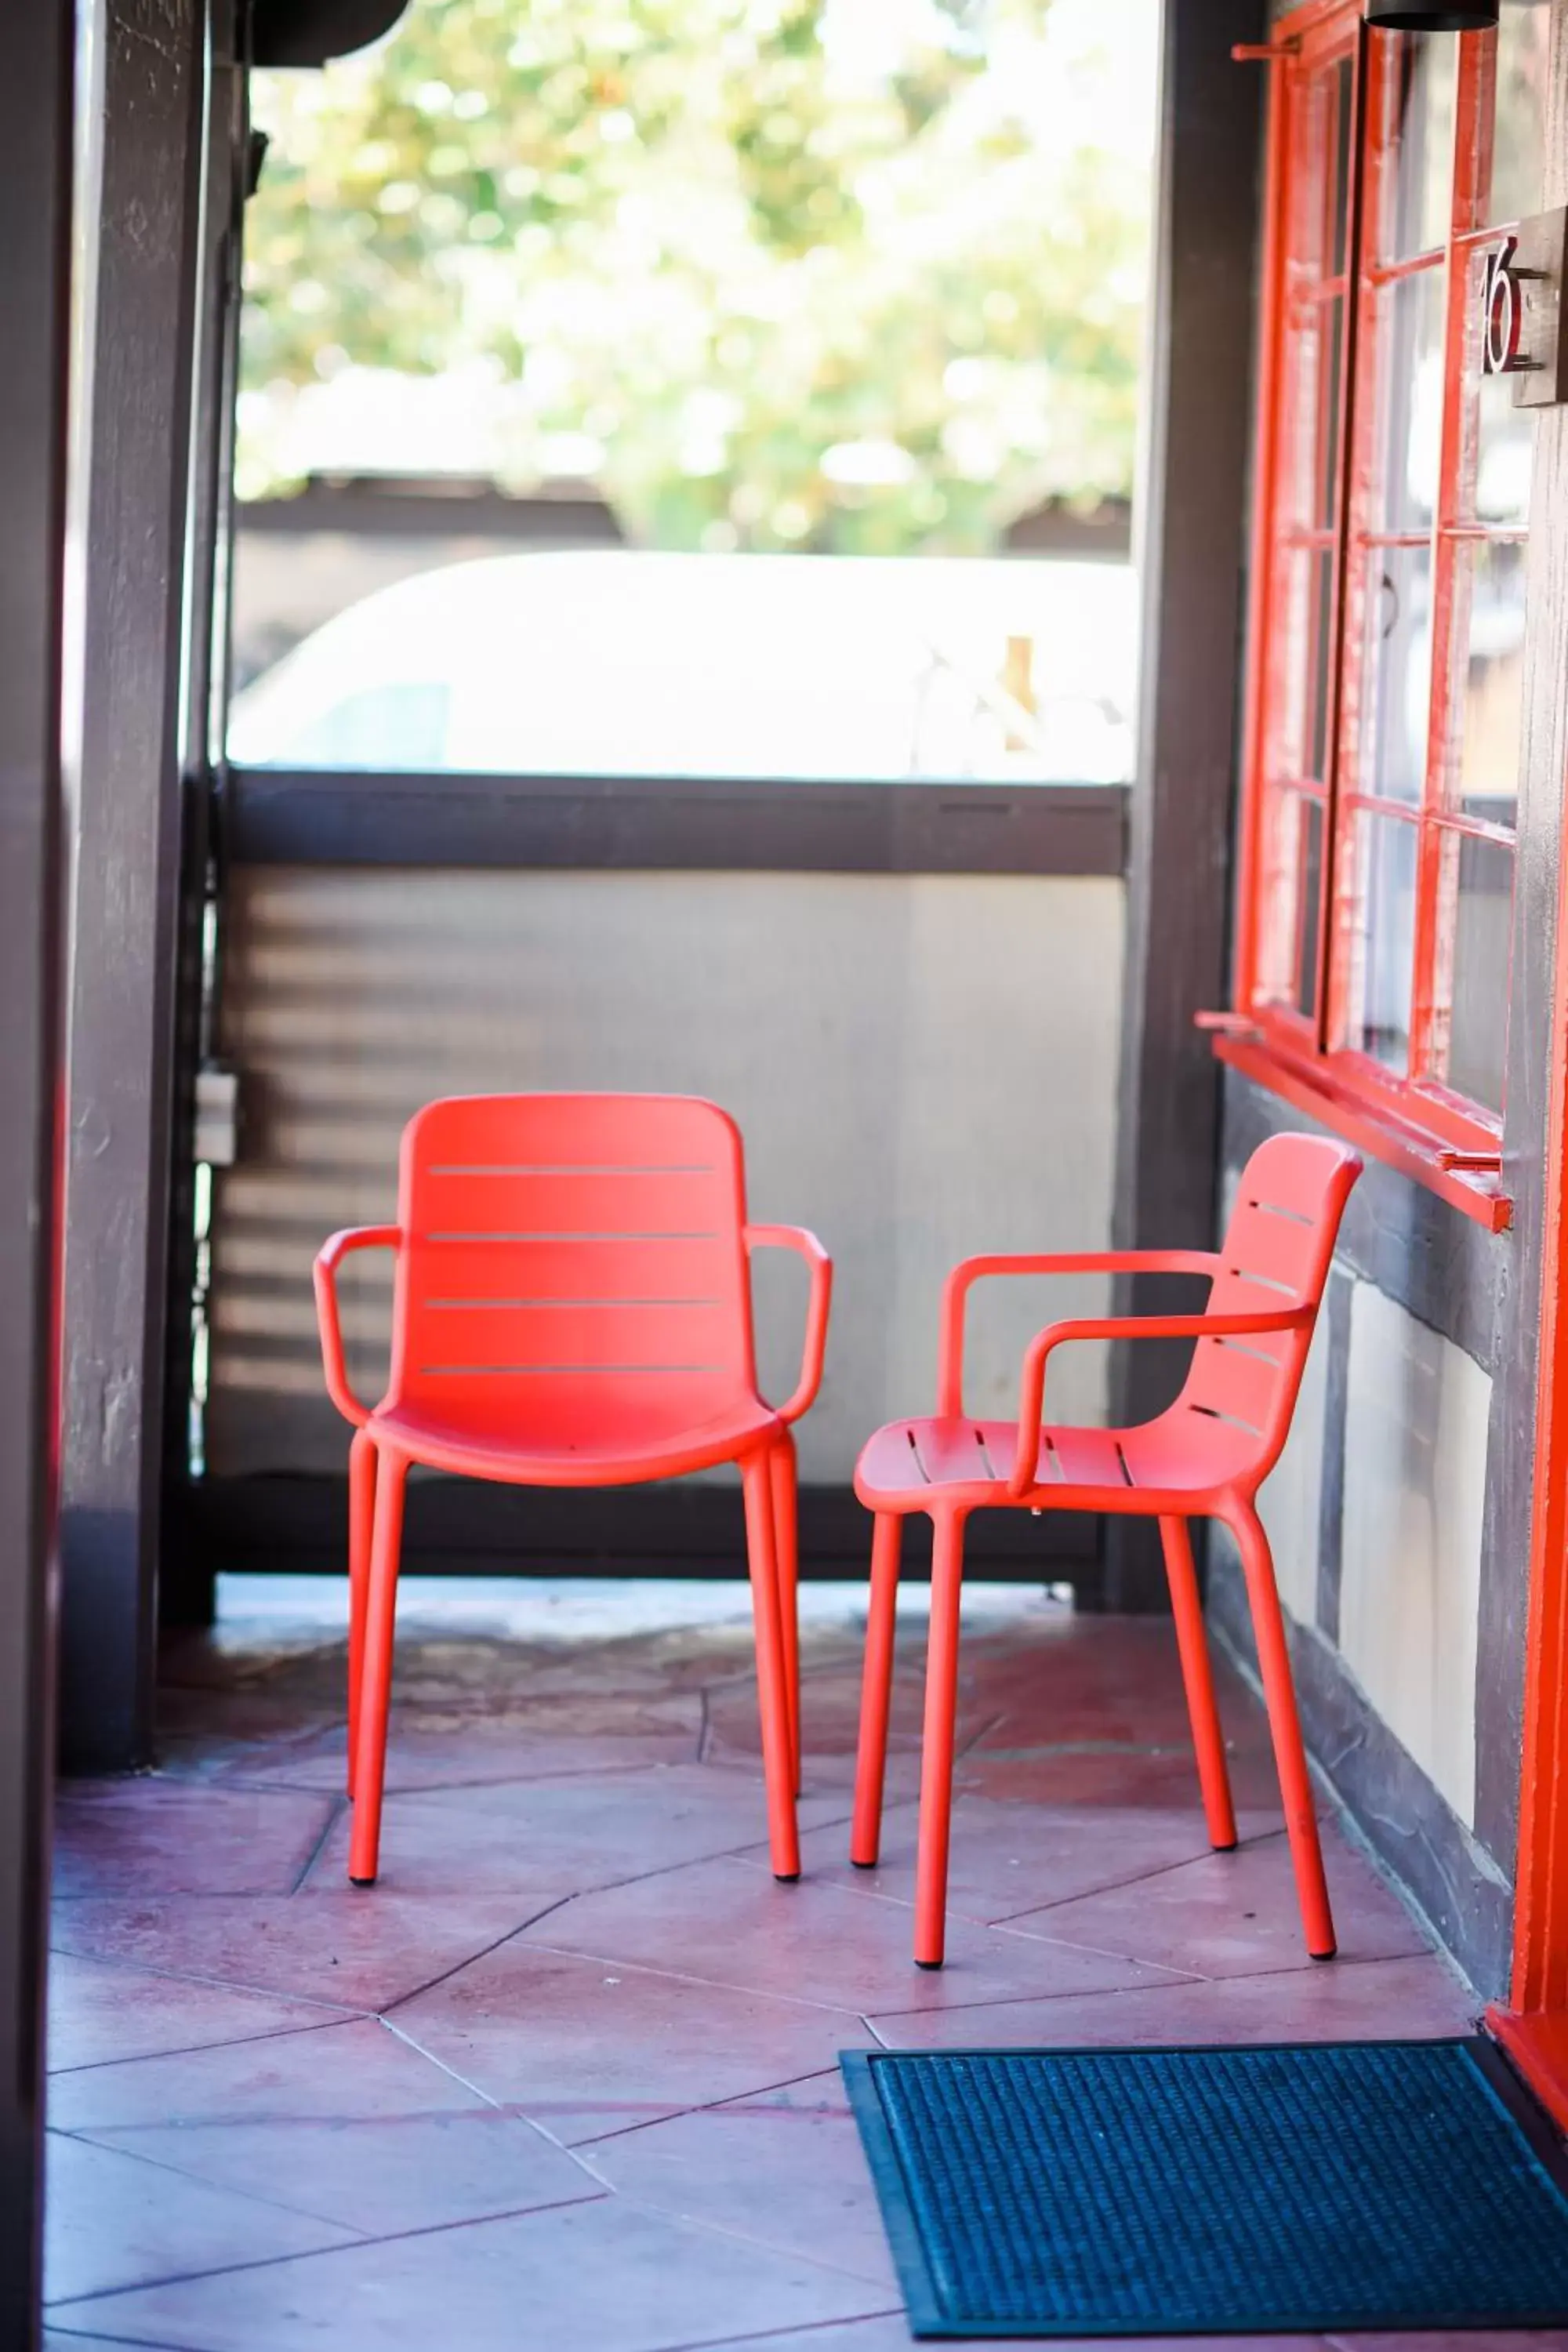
x: 612, y: 1886
x: 182, y: 2173
x: 780, y: 2335
x: 1039, y: 1999
x: 67, y: 1904
x: 731, y: 2102
x: 734, y: 1852
x: 215, y: 1984
x: 577, y: 1894
x: 337, y: 1805
x: 864, y: 1891
x: 659, y: 1870
x: 1311, y: 1970
x: 712, y: 1984
x: 470, y: 1960
x: 524, y: 1780
x: 1162, y: 1968
x: 964, y: 1747
x: 512, y: 2111
x: 1343, y: 1961
x: 959, y: 1909
x: 132, y: 2343
x: 1138, y: 1878
x: 355, y: 2244
x: 200, y: 2049
x: 1053, y: 1748
x: 702, y: 2227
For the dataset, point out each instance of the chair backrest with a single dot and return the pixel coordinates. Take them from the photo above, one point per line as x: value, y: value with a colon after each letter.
x: 1277, y: 1252
x: 574, y: 1267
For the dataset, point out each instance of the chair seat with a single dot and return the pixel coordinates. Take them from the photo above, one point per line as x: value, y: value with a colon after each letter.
x: 473, y: 1453
x: 1174, y: 1463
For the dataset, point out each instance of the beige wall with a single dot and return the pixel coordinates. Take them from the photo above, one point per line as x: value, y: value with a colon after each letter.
x: 1416, y: 1411
x: 1410, y: 1574
x: 922, y: 1066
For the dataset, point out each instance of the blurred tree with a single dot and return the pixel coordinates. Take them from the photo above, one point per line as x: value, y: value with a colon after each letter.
x: 778, y: 273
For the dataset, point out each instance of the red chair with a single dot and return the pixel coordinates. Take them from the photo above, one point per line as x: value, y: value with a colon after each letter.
x: 571, y: 1309
x: 1206, y: 1456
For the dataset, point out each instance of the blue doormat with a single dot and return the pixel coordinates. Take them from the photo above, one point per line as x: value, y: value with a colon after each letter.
x: 1300, y: 2188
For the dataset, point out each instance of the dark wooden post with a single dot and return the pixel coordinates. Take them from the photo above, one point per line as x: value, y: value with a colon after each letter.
x: 140, y: 303
x: 1191, y: 538
x: 35, y: 63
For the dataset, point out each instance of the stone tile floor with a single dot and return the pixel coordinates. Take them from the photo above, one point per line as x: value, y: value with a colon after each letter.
x: 566, y: 2077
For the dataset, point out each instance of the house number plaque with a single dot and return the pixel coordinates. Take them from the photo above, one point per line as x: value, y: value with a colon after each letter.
x: 1523, y: 318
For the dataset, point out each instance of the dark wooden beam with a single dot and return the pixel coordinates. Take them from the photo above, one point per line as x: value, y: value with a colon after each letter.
x: 140, y: 302
x: 687, y: 1528
x: 1191, y: 521
x: 36, y: 67
x: 186, y: 1590
x: 279, y: 816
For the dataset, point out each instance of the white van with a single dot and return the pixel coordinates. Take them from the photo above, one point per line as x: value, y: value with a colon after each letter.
x: 610, y: 662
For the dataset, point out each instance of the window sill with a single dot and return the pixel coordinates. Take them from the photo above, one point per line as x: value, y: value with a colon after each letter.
x: 1409, y: 1149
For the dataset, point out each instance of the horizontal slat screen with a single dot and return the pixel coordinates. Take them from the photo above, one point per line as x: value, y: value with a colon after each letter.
x: 921, y: 1067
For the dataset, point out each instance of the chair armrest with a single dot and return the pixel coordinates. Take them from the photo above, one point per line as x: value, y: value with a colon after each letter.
x: 805, y: 1245
x: 330, y: 1256
x: 970, y: 1270
x: 1032, y: 1387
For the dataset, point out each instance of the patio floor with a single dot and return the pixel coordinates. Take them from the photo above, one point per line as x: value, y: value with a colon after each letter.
x: 566, y: 2077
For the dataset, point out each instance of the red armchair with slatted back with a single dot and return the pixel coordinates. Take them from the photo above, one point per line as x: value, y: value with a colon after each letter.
x: 1206, y: 1456
x: 572, y: 1308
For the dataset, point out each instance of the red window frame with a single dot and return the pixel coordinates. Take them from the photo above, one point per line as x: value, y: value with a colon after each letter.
x: 1306, y: 782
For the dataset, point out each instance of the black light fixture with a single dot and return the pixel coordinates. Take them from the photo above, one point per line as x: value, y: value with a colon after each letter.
x: 309, y: 32
x: 1422, y: 16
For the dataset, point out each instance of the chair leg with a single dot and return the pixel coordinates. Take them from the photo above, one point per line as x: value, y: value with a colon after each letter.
x: 936, y: 1752
x: 1192, y: 1643
x: 375, y: 1681
x: 786, y: 1553
x: 1290, y: 1755
x: 773, y: 1686
x: 361, y: 1520
x: 876, y: 1690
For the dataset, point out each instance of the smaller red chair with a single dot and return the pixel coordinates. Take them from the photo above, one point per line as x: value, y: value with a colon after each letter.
x: 572, y: 1308
x: 1206, y: 1456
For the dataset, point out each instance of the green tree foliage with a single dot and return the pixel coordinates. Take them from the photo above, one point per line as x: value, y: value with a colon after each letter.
x: 836, y: 273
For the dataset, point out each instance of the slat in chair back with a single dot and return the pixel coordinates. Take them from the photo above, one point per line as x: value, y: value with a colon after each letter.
x: 1277, y: 1252
x: 574, y: 1267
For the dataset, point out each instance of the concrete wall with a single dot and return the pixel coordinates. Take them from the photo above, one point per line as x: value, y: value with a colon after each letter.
x: 921, y: 1066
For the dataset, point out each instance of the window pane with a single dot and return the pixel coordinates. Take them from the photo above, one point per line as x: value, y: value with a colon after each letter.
x: 1340, y: 182
x: 1394, y: 758
x: 1310, y: 899
x: 1478, y: 895
x: 1489, y: 618
x: 1377, y: 1017
x: 1423, y: 74
x: 1289, y: 664
x: 1518, y: 142
x: 1331, y: 346
x: 1290, y: 903
x: 1322, y: 664
x: 1412, y: 394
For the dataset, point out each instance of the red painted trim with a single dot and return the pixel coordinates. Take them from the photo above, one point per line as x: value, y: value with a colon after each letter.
x: 1416, y: 1101
x: 1313, y: 1088
x: 1537, y: 2046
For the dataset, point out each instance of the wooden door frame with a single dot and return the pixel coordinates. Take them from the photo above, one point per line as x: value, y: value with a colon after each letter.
x: 38, y: 45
